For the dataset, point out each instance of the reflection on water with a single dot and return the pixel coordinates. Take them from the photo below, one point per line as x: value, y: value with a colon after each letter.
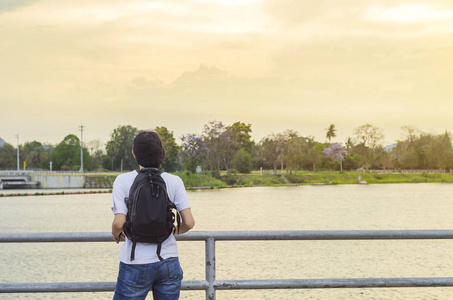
x: 345, y: 207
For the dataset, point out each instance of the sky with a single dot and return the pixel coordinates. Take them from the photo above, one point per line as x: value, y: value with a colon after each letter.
x: 275, y: 64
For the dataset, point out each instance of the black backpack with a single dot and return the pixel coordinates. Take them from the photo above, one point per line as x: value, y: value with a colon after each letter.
x: 150, y: 217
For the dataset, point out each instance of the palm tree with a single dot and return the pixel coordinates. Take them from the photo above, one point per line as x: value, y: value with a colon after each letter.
x: 349, y: 144
x: 331, y: 132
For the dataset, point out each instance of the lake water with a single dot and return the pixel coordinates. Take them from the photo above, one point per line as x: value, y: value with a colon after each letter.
x: 342, y: 207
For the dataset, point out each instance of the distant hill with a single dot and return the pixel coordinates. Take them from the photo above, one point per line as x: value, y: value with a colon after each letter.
x: 2, y: 142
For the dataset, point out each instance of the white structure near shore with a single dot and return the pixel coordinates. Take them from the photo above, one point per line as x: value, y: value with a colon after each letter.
x: 45, y: 180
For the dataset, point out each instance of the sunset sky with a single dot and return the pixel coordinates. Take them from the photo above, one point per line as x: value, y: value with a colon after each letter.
x: 277, y: 64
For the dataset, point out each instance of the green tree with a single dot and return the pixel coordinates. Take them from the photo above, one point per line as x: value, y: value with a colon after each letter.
x: 370, y: 137
x: 352, y: 161
x: 34, y: 154
x: 315, y: 155
x: 119, y: 147
x: 107, y: 162
x: 96, y: 153
x: 446, y: 160
x: 349, y: 144
x: 223, y: 142
x: 66, y: 155
x: 170, y: 163
x: 281, y: 140
x: 437, y: 149
x: 382, y: 159
x: 192, y: 152
x: 229, y: 146
x: 408, y: 150
x: 46, y: 156
x: 289, y: 145
x: 267, y: 153
x: 242, y: 161
x: 408, y: 155
x: 331, y: 132
x: 212, y: 133
x: 8, y: 157
x: 287, y: 149
x: 241, y: 133
x: 420, y: 150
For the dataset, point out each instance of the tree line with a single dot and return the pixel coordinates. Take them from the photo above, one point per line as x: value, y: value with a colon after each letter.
x: 231, y: 148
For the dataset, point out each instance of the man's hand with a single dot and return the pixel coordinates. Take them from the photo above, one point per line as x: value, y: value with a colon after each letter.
x: 187, y: 223
x: 175, y: 230
x: 119, y: 237
x: 117, y: 227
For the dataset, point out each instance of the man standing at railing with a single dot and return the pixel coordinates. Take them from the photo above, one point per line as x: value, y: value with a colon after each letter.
x: 151, y: 267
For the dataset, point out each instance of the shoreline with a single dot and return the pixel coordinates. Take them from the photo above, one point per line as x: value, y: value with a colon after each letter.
x: 198, y: 188
x: 205, y: 181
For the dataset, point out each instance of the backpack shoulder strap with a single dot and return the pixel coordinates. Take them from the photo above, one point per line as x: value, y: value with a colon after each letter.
x: 137, y: 179
x: 159, y: 247
x: 134, y: 244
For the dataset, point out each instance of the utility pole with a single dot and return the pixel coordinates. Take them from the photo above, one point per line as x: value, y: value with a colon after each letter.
x: 81, y: 148
x: 18, y: 159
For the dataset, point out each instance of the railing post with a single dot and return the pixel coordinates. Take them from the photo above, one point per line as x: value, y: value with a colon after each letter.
x: 210, y: 268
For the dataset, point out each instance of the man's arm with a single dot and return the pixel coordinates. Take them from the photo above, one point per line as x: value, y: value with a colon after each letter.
x: 187, y: 221
x: 117, y: 227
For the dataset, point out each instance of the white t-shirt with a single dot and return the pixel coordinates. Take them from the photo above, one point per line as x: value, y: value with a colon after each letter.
x: 146, y: 253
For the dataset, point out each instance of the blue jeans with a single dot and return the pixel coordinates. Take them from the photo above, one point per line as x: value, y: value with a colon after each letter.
x: 163, y: 278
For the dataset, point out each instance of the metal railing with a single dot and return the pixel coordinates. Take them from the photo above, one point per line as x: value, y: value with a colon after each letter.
x: 210, y: 284
x: 34, y: 172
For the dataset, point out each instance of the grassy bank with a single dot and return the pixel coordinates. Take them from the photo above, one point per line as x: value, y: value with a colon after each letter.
x: 100, y: 180
x: 205, y: 180
x: 200, y: 180
x: 352, y: 178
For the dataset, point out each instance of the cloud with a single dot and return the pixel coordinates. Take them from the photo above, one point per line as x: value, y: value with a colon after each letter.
x: 8, y: 5
x: 277, y: 64
x: 328, y: 18
x: 270, y: 104
x: 298, y: 12
x: 409, y: 13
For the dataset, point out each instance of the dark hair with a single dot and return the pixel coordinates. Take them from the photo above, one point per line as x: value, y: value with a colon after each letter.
x: 148, y: 149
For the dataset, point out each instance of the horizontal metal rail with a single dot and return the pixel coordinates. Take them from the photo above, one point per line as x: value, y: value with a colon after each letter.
x: 334, y: 283
x: 58, y: 287
x: 210, y: 285
x: 43, y: 237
